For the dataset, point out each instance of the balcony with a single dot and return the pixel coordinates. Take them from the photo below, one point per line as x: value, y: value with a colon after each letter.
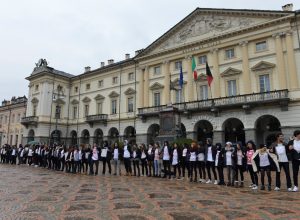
x: 100, y: 118
x: 31, y: 120
x: 247, y: 102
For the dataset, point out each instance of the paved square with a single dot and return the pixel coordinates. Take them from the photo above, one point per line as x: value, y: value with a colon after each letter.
x: 36, y: 193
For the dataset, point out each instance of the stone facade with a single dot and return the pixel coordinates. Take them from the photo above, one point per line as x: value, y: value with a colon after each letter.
x: 255, y: 92
x: 11, y: 113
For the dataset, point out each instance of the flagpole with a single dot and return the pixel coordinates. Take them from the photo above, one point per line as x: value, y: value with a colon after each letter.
x: 197, y: 90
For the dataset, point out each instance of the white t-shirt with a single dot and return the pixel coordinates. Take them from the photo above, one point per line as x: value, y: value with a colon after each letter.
x: 175, y: 157
x: 297, y: 145
x: 193, y: 156
x: 184, y: 152
x: 228, y: 158
x: 217, y: 158
x: 201, y: 157
x: 209, y: 154
x: 104, y: 152
x: 143, y: 156
x: 156, y: 155
x: 166, y: 153
x: 264, y: 160
x: 95, y: 154
x: 126, y: 152
x: 239, y: 157
x: 30, y: 153
x: 281, y: 152
x: 134, y: 154
x: 116, y: 154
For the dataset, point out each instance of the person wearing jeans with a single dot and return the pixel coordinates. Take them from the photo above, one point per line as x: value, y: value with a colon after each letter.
x: 156, y: 159
x: 116, y: 159
x: 229, y: 163
x: 280, y: 149
x: 94, y: 160
x: 166, y: 159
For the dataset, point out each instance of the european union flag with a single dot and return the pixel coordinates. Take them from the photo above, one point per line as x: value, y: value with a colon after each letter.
x: 181, y: 78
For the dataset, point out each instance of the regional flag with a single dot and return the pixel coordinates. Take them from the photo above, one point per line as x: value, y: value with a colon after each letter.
x: 194, y: 69
x: 209, y: 76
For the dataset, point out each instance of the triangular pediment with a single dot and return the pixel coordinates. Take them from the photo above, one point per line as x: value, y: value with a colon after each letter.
x: 59, y: 101
x: 86, y: 99
x: 99, y: 97
x: 230, y: 72
x: 203, y: 25
x: 156, y: 86
x: 263, y: 65
x: 113, y: 94
x: 129, y: 91
x: 74, y: 102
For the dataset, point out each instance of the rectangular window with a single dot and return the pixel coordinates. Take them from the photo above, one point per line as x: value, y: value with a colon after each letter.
x: 99, y: 108
x: 130, y: 76
x: 264, y: 83
x: 130, y: 104
x: 113, y: 107
x: 86, y: 110
x: 36, y: 87
x: 204, y: 92
x: 179, y: 96
x: 229, y: 54
x: 202, y: 59
x: 100, y: 83
x: 76, y: 89
x: 115, y: 80
x: 57, y: 112
x: 156, y: 99
x: 260, y: 46
x: 178, y: 64
x: 34, y: 110
x: 75, y: 113
x: 231, y: 87
x: 156, y: 70
x: 87, y: 86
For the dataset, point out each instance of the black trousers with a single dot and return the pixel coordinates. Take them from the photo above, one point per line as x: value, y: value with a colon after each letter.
x: 175, y: 168
x: 296, y: 164
x: 239, y: 169
x: 193, y: 170
x: 201, y: 167
x: 264, y: 170
x: 286, y: 168
x: 151, y: 167
x: 167, y: 168
x: 136, y: 166
x: 253, y: 175
x: 185, y: 165
x: 96, y: 162
x: 105, y: 161
x: 127, y: 164
x: 211, y: 165
x: 221, y: 175
x: 144, y: 167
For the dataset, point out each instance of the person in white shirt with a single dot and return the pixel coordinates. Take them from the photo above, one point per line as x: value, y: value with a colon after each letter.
x: 116, y: 159
x: 166, y: 159
x: 95, y: 160
x: 281, y: 149
x: 156, y: 159
x: 106, y: 157
x: 201, y: 162
x: 229, y: 163
x: 144, y: 160
x: 294, y: 147
x: 176, y: 157
x: 193, y: 161
x: 126, y: 156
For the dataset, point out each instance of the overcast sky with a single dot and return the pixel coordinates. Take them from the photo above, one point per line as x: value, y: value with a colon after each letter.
x: 77, y: 33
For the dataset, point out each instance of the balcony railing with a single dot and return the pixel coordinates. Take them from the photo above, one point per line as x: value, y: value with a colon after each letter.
x: 245, y: 101
x: 31, y: 120
x: 100, y: 118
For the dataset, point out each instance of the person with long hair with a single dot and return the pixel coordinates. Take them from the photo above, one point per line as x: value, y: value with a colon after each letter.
x: 126, y: 156
x: 106, y: 157
x: 185, y: 162
x: 175, y: 159
x: 201, y: 162
x: 156, y: 159
x: 144, y: 160
x: 210, y: 156
x: 294, y: 147
x: 150, y: 159
x: 193, y: 161
x: 219, y: 163
x: 166, y: 159
x: 117, y: 154
x: 229, y: 163
x: 251, y: 149
x: 240, y: 161
x: 136, y: 156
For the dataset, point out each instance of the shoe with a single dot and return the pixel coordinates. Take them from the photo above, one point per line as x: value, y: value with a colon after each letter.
x: 262, y: 187
x: 251, y: 185
x: 208, y: 181
x: 295, y: 189
x: 269, y: 188
x: 216, y: 182
x: 228, y: 184
x: 254, y: 187
x: 289, y: 190
x: 277, y: 189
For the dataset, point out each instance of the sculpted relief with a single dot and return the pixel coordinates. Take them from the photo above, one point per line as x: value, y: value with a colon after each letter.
x: 207, y: 26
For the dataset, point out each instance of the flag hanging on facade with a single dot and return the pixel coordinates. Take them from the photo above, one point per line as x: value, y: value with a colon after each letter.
x: 194, y: 69
x: 209, y: 76
x: 181, y: 78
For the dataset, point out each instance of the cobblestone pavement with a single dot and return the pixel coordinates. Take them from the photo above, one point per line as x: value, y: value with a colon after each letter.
x: 36, y: 193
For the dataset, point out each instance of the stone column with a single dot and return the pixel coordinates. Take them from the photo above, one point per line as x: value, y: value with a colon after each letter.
x: 246, y: 73
x: 140, y: 92
x: 167, y: 74
x: 280, y: 62
x: 215, y: 73
x: 190, y: 79
x: 146, y: 87
x: 250, y: 135
x: 293, y: 78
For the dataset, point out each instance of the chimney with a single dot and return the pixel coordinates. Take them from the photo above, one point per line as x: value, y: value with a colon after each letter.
x: 102, y: 64
x: 288, y: 7
x: 111, y: 61
x: 127, y: 56
x: 87, y: 69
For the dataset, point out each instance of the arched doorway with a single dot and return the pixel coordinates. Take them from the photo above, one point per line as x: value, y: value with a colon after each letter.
x: 130, y: 134
x: 266, y: 128
x: 152, y: 133
x: 30, y: 135
x: 73, y: 138
x: 113, y: 135
x: 98, y: 136
x: 234, y: 130
x: 204, y: 130
x: 85, y: 137
x: 55, y: 137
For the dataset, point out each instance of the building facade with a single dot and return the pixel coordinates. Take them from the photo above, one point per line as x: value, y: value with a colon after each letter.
x: 255, y: 92
x: 11, y: 113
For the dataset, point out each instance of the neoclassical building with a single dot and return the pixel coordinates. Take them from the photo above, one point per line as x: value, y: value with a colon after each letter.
x: 11, y: 113
x: 255, y: 92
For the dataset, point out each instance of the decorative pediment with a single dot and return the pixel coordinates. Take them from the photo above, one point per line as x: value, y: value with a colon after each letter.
x: 176, y: 82
x: 34, y: 100
x: 59, y: 101
x: 86, y: 99
x: 74, y: 102
x: 113, y: 94
x: 156, y: 86
x: 230, y: 72
x: 202, y: 77
x: 99, y: 97
x: 263, y: 65
x: 209, y: 24
x: 130, y: 91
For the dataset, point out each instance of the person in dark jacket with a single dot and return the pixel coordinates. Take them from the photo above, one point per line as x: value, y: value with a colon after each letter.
x: 166, y: 156
x: 127, y: 152
x: 185, y: 162
x: 201, y: 162
x: 294, y: 147
x: 150, y: 159
x: 144, y: 160
x: 106, y: 157
x: 251, y: 148
x: 193, y: 161
x: 210, y: 156
x: 229, y: 163
x: 117, y: 156
x: 219, y: 163
x: 175, y: 160
x: 240, y: 161
x: 136, y: 157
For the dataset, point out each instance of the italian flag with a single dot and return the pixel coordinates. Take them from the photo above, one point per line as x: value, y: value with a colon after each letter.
x: 194, y: 68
